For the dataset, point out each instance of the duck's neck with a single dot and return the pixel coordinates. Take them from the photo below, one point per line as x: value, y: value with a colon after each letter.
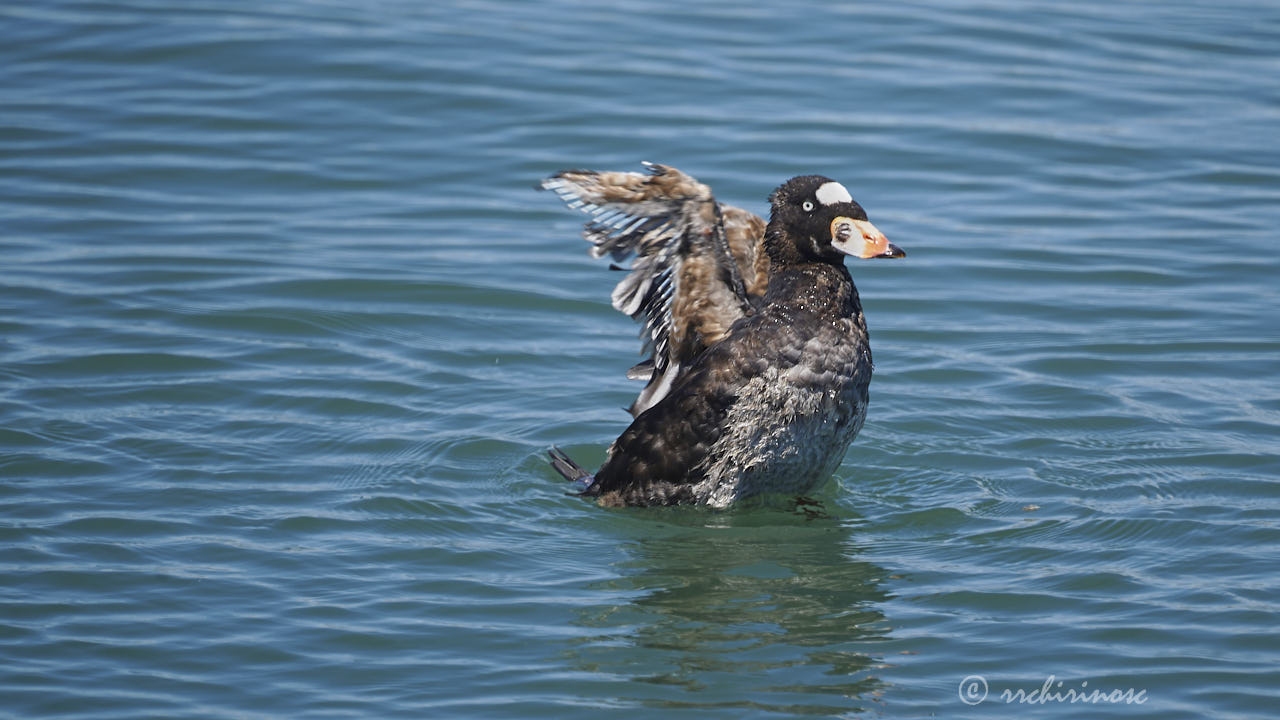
x: 808, y: 285
x: 816, y: 288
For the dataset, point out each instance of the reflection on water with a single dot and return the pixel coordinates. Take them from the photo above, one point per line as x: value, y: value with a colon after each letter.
x: 780, y: 598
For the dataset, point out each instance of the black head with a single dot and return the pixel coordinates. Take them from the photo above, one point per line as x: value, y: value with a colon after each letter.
x: 820, y: 217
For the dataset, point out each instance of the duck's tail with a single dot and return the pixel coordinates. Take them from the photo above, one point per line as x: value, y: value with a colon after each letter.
x: 570, y: 470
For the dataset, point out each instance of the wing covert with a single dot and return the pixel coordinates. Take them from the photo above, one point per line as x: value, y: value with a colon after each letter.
x: 686, y: 283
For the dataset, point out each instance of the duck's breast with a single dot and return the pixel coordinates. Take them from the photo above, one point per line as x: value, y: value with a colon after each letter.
x: 792, y: 421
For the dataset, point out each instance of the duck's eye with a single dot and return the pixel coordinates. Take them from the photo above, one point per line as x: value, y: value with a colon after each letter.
x: 807, y: 205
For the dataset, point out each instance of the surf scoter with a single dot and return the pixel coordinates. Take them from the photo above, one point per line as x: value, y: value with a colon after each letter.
x: 759, y: 360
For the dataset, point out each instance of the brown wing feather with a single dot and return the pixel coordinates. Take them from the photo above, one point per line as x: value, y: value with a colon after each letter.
x: 744, y: 232
x: 696, y: 261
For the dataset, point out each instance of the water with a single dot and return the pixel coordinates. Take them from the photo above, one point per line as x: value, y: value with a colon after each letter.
x: 286, y: 329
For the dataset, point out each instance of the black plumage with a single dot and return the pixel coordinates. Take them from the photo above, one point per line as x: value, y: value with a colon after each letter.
x: 760, y: 361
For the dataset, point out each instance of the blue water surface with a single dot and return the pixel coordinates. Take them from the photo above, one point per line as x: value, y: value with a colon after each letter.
x: 285, y: 330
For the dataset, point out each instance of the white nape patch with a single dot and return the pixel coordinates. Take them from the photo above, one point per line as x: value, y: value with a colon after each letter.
x: 832, y: 192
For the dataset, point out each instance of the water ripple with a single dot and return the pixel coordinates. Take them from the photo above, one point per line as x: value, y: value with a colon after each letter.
x: 284, y: 332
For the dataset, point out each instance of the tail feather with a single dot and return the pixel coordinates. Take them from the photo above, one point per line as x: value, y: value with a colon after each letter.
x: 570, y: 470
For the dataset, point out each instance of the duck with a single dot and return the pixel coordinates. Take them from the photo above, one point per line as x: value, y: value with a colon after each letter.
x: 759, y: 360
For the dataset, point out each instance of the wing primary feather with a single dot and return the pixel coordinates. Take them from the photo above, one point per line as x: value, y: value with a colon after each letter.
x: 661, y: 218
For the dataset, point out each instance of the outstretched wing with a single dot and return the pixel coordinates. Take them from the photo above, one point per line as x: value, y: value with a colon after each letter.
x: 695, y: 261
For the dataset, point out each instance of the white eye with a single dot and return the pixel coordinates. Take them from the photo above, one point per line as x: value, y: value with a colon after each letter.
x: 808, y: 206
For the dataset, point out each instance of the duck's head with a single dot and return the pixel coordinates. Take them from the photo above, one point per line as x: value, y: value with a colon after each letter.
x: 819, y: 216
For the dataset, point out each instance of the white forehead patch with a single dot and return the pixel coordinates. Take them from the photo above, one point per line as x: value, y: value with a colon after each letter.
x: 832, y: 192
